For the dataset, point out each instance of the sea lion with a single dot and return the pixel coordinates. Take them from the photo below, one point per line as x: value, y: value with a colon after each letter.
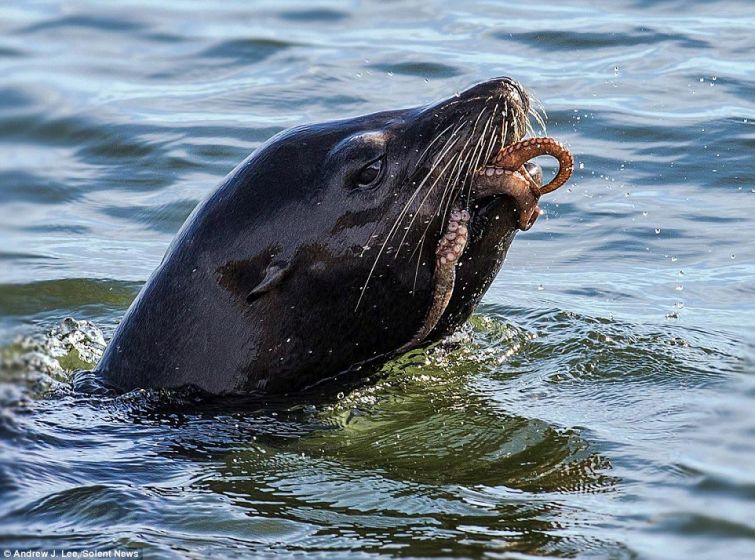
x: 338, y: 244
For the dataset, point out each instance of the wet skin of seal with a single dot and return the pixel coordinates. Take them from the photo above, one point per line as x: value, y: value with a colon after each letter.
x: 317, y: 254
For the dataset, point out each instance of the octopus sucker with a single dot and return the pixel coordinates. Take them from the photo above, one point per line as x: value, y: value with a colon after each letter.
x: 448, y: 253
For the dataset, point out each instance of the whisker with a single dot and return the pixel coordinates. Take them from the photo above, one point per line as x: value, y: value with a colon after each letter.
x: 448, y: 146
x: 447, y: 197
x: 431, y: 144
x: 449, y: 183
x: 487, y: 150
x: 437, y: 161
x: 493, y: 135
x: 535, y: 109
x: 416, y: 190
x: 453, y: 179
x: 416, y: 213
x: 469, y: 138
x: 419, y: 260
x: 505, y: 127
x: 477, y: 153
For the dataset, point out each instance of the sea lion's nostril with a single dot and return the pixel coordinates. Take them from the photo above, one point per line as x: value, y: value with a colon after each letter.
x: 508, y: 82
x: 513, y: 88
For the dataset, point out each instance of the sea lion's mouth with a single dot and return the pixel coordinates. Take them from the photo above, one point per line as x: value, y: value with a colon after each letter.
x: 508, y: 173
x: 511, y: 173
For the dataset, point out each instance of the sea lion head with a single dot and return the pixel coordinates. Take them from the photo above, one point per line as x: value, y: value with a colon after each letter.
x: 318, y: 253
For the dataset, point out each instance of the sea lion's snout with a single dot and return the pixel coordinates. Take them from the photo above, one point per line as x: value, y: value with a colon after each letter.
x: 515, y: 91
x: 485, y: 117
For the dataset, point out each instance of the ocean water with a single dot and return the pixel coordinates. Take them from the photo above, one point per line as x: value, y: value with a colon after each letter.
x: 599, y: 404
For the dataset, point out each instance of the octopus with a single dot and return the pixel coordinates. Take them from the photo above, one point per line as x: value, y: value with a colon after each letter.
x: 505, y: 174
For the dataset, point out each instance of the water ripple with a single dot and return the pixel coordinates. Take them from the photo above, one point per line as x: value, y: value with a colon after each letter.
x: 599, y: 404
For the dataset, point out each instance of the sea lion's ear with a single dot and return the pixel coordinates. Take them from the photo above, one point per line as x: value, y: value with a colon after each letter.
x: 273, y: 276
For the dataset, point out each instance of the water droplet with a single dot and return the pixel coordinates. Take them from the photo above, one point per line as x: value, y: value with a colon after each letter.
x: 679, y: 288
x: 540, y: 288
x: 674, y: 259
x: 644, y: 212
x: 733, y: 256
x: 657, y: 231
x: 581, y: 165
x: 340, y: 396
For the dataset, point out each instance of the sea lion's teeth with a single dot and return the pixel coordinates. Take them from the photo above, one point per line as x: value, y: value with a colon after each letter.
x: 498, y: 171
x: 462, y: 230
x: 489, y: 171
x: 453, y: 226
x: 450, y: 236
x: 465, y: 215
x: 450, y: 256
x: 443, y: 260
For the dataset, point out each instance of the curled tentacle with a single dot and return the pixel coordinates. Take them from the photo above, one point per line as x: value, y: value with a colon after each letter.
x: 514, y: 156
x: 519, y: 185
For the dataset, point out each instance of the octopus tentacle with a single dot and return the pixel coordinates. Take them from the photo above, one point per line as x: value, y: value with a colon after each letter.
x: 505, y: 175
x: 448, y: 253
x: 512, y: 157
x: 518, y: 184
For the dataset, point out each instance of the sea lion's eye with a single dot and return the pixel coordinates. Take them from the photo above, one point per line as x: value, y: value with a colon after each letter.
x: 369, y: 173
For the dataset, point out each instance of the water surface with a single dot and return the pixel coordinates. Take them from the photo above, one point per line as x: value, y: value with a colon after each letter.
x: 599, y: 404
